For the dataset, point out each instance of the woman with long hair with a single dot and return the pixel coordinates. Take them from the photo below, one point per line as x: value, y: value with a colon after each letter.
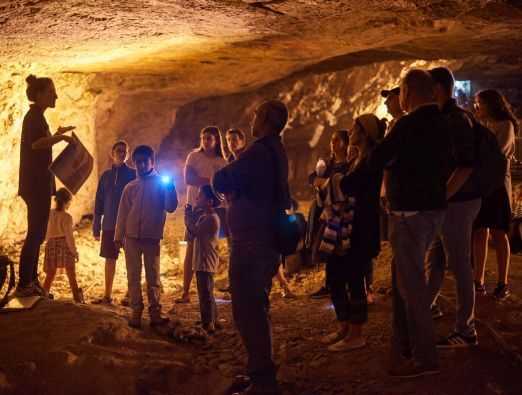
x: 336, y: 163
x: 349, y: 262
x: 36, y: 182
x: 200, y: 166
x: 495, y: 214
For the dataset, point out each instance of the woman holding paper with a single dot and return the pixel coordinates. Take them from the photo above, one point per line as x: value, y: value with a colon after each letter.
x: 36, y: 183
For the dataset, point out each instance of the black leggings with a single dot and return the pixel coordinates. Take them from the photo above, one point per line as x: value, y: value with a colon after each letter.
x: 347, y: 286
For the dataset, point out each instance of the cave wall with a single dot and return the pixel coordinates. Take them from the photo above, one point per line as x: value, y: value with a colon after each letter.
x: 318, y: 104
x: 75, y: 106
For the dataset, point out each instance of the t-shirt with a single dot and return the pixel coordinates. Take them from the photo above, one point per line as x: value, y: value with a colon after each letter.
x: 35, y: 179
x: 61, y: 225
x: 205, y: 167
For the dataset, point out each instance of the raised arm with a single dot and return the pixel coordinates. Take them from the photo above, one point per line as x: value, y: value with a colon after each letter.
x: 206, y: 225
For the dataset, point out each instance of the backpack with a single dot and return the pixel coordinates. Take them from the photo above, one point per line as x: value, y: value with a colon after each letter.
x: 287, y: 229
x: 492, y: 165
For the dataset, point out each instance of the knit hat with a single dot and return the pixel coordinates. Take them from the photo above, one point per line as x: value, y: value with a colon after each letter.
x: 372, y: 126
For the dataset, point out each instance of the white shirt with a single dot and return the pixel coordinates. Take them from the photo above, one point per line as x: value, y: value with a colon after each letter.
x: 61, y: 225
x: 205, y: 167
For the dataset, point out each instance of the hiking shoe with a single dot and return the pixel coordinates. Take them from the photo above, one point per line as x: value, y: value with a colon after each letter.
x: 501, y: 292
x: 105, y: 300
x: 409, y: 370
x: 348, y: 344
x: 480, y: 289
x: 436, y: 312
x: 456, y: 340
x: 322, y: 293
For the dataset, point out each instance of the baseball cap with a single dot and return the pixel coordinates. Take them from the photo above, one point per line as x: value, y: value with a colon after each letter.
x: 394, y: 91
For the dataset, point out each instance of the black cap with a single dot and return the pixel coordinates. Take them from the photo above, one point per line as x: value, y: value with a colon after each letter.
x: 394, y: 91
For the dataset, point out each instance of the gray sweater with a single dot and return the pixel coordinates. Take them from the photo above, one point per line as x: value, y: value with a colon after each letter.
x: 205, y: 230
x: 258, y: 184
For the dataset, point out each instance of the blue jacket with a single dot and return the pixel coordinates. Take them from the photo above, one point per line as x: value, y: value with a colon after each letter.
x: 108, y: 196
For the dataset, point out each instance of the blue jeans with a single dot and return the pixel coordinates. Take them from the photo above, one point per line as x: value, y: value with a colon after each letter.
x: 252, y: 267
x: 413, y: 332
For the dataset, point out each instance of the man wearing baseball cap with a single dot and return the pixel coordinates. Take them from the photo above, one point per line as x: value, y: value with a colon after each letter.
x: 392, y: 105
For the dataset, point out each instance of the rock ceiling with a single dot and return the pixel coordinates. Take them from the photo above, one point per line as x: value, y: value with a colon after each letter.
x: 221, y: 46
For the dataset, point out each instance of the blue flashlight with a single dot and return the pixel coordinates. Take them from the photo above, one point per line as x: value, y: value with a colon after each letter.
x: 167, y: 180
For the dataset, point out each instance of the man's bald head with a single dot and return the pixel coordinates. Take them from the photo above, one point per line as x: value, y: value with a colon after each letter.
x: 270, y: 119
x: 416, y: 89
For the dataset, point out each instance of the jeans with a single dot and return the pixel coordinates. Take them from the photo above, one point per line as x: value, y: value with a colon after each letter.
x: 413, y: 331
x: 150, y: 250
x: 452, y: 248
x: 350, y: 304
x: 207, y: 302
x: 252, y: 267
x: 38, y: 209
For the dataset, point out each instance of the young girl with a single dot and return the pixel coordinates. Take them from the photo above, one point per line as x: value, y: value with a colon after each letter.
x: 60, y: 249
x: 204, y: 229
x: 495, y: 214
x: 349, y: 266
x: 200, y: 167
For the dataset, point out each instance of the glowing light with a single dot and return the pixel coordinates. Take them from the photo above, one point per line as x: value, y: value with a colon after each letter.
x: 166, y: 180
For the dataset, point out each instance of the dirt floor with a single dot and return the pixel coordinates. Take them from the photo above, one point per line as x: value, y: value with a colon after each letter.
x: 63, y: 348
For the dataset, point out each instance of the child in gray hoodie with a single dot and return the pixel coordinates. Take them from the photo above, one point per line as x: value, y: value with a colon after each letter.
x: 203, y: 228
x: 139, y: 229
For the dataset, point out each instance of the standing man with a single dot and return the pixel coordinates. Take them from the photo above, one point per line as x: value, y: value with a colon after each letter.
x: 416, y: 153
x: 393, y: 105
x: 108, y: 195
x: 452, y: 247
x: 258, y: 183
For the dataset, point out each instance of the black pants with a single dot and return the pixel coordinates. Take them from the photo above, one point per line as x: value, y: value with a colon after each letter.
x: 37, y: 217
x: 252, y: 267
x: 347, y: 287
x: 207, y: 302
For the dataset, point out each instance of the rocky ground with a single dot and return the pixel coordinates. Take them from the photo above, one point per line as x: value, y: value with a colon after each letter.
x: 64, y: 348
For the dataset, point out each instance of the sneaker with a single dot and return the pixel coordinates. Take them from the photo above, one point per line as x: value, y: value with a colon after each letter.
x: 183, y: 300
x: 436, y: 312
x: 29, y: 290
x: 333, y: 337
x: 322, y: 293
x: 225, y: 289
x: 105, y: 300
x: 501, y: 292
x: 480, y: 290
x: 456, y: 340
x: 348, y: 344
x: 240, y: 383
x: 409, y: 370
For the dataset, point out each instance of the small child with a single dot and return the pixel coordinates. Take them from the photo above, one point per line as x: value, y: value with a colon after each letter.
x: 204, y: 228
x: 139, y: 228
x: 60, y: 249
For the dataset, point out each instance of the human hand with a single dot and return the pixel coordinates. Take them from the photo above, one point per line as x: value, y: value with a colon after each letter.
x: 76, y: 257
x: 97, y: 237
x: 64, y: 129
x: 67, y: 139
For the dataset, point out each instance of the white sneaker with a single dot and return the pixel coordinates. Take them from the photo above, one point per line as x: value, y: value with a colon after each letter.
x: 333, y: 337
x: 348, y: 344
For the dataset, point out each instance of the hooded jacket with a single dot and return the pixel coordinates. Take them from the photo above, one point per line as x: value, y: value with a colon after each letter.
x: 143, y: 208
